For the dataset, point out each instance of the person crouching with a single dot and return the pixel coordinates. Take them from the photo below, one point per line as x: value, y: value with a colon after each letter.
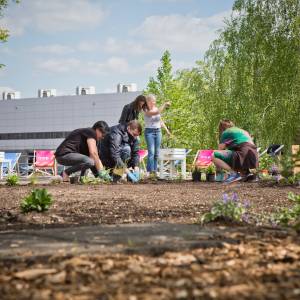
x: 237, y: 152
x: 119, y: 149
x: 79, y: 151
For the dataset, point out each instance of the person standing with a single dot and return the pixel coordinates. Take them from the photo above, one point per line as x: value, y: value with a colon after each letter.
x: 120, y: 148
x: 132, y: 110
x: 153, y: 134
x: 79, y: 151
x: 237, y: 152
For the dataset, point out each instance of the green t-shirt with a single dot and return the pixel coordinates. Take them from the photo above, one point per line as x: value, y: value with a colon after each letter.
x: 235, y: 136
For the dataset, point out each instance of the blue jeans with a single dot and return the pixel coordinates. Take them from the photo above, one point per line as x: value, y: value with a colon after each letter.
x: 153, y: 139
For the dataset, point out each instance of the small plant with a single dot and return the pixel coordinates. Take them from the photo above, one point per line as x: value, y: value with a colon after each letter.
x: 33, y: 180
x: 55, y: 181
x: 289, y: 216
x: 89, y: 180
x: 12, y: 180
x: 211, y: 169
x: 266, y: 162
x: 228, y: 209
x: 39, y: 200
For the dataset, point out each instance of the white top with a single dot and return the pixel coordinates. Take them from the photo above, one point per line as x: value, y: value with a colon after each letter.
x: 153, y: 122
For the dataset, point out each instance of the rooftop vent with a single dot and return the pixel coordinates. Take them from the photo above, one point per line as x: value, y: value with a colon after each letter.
x: 90, y: 90
x: 125, y: 88
x: 46, y: 93
x: 11, y: 95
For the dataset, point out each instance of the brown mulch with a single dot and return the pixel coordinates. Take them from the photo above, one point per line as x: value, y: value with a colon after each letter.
x: 259, y: 267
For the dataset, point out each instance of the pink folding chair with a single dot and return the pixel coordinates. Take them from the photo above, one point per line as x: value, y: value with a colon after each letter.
x: 142, y: 155
x: 43, y: 161
x: 203, y: 158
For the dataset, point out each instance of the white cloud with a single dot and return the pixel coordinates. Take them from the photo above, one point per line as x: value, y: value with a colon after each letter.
x: 180, y: 32
x: 113, y: 64
x: 59, y: 65
x: 53, y: 16
x: 52, y: 49
x: 130, y: 47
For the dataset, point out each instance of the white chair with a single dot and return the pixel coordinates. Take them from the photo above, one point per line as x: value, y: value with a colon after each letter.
x: 2, y: 161
x: 172, y: 156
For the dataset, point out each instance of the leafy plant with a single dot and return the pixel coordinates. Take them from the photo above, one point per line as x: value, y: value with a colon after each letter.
x: 211, y: 169
x: 12, y: 180
x: 90, y: 180
x: 289, y: 216
x: 39, y: 200
x: 33, y: 180
x: 228, y: 209
x: 266, y: 162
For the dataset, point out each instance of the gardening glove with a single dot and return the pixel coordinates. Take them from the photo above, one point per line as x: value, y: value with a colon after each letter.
x: 132, y: 177
x: 104, y: 175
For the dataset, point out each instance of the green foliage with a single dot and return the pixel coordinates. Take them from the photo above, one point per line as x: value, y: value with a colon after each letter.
x: 211, y: 169
x: 228, y: 209
x: 266, y: 162
x: 4, y: 33
x: 250, y: 74
x: 12, y: 180
x: 289, y: 216
x: 33, y: 180
x: 90, y: 180
x: 39, y: 200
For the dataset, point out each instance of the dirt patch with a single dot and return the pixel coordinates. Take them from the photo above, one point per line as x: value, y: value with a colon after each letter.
x: 117, y: 204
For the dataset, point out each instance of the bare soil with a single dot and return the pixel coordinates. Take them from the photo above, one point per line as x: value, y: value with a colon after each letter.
x: 261, y: 264
x: 127, y: 203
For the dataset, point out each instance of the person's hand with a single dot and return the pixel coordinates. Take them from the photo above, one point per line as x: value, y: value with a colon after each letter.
x: 104, y: 175
x: 132, y: 177
x: 167, y: 104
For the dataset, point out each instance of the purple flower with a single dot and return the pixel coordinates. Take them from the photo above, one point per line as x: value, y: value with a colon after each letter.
x: 245, y: 218
x: 225, y: 198
x: 247, y: 204
x: 235, y: 197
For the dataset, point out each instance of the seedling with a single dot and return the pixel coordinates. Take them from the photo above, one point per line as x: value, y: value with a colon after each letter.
x: 39, y: 200
x: 12, y: 180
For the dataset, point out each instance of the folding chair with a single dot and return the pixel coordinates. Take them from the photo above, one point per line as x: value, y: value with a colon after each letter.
x: 1, y: 164
x: 11, y: 163
x: 142, y: 155
x: 203, y: 159
x: 43, y: 161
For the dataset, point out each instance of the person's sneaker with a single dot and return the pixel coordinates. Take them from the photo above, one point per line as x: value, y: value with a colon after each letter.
x: 234, y: 177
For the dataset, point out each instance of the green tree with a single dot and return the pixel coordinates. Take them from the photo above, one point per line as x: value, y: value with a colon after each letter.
x: 4, y: 33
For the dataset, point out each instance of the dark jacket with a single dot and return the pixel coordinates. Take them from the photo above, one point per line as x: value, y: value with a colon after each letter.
x: 110, y: 147
x: 128, y: 114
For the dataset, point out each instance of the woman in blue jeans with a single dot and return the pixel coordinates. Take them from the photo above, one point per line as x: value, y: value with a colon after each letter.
x: 153, y: 135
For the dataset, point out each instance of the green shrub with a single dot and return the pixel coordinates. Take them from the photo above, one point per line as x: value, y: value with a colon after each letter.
x: 12, y: 180
x: 228, y: 209
x: 39, y: 200
x: 289, y: 216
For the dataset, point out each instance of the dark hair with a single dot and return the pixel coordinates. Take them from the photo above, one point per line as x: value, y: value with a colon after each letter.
x: 134, y: 124
x: 102, y: 126
x: 224, y: 124
x: 137, y: 101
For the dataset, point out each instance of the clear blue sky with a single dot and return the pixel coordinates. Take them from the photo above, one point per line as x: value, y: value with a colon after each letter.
x: 64, y: 43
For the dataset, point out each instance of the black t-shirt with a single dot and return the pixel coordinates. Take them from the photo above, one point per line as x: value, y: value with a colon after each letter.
x: 76, y: 142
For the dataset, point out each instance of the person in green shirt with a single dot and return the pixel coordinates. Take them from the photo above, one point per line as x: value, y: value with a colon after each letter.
x: 237, y: 153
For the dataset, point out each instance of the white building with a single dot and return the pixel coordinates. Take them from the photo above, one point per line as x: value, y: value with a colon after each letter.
x: 29, y: 124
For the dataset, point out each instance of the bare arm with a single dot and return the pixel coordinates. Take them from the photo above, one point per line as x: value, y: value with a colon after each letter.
x: 157, y: 111
x: 163, y: 125
x: 94, y: 154
x: 222, y: 146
